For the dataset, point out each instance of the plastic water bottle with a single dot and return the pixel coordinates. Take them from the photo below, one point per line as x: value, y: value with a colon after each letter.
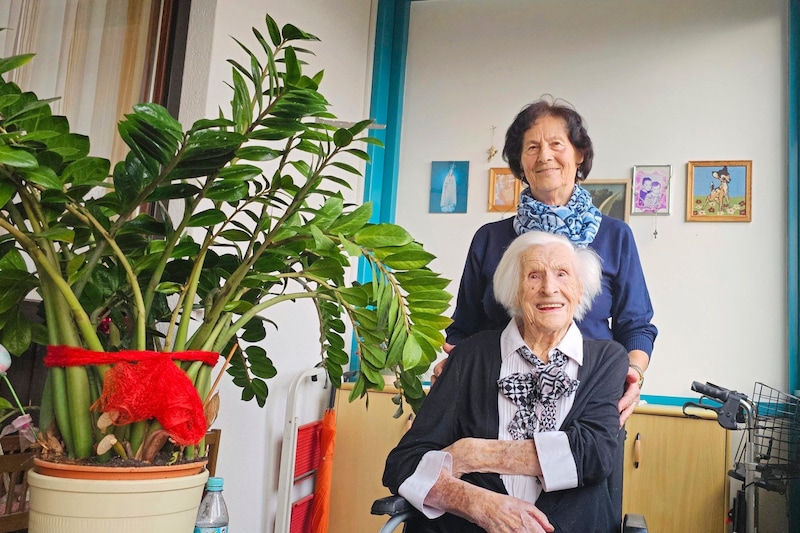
x: 212, y: 516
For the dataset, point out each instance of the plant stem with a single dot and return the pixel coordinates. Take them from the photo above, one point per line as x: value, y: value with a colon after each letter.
x: 191, y: 291
x: 61, y: 405
x: 81, y: 421
x: 13, y: 392
x: 140, y: 309
x: 221, y: 372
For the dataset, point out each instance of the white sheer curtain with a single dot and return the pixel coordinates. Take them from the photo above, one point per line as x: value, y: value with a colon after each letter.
x: 93, y: 54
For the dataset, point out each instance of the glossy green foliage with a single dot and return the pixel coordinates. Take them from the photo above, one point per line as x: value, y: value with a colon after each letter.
x: 256, y: 219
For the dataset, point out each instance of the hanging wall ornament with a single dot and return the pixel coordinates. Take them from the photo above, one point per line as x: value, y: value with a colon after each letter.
x: 492, y: 151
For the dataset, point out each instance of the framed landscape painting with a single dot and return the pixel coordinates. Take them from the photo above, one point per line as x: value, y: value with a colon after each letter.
x: 611, y: 197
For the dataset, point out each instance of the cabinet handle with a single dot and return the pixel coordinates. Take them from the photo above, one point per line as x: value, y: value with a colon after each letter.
x: 637, y: 450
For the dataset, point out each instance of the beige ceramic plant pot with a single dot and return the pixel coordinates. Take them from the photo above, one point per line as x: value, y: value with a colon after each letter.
x: 61, y: 505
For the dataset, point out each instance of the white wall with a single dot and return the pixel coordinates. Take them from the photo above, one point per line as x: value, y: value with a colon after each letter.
x: 251, y: 437
x: 658, y: 83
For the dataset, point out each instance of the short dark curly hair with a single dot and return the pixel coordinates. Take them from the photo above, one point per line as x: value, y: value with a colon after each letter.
x: 512, y: 151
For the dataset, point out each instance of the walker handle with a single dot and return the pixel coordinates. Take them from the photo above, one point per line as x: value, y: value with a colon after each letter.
x: 712, y: 391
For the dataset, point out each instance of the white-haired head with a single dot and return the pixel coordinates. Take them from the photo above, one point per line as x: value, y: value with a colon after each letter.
x: 508, y: 276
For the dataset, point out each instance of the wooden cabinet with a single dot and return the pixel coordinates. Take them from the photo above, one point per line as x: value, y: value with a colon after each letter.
x: 680, y: 484
x: 365, y: 434
x: 681, y: 481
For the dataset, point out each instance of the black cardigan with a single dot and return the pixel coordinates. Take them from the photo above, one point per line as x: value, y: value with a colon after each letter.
x: 463, y: 403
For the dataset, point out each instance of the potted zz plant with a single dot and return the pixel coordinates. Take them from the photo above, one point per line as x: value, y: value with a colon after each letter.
x: 140, y: 302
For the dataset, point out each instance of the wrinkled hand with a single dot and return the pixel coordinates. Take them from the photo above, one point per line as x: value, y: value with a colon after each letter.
x: 630, y: 399
x: 505, y: 514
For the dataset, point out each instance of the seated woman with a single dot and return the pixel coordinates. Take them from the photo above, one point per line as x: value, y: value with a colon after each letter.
x: 519, y: 433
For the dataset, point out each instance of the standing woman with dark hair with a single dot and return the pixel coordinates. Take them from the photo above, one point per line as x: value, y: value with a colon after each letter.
x: 548, y: 148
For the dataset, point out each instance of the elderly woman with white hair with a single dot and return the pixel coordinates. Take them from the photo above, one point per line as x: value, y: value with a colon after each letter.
x: 520, y: 431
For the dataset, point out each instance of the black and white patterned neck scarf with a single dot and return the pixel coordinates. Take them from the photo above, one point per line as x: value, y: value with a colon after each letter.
x: 543, y: 385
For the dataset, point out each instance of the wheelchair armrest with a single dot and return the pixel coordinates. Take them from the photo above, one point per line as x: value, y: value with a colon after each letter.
x: 391, y: 505
x: 634, y: 523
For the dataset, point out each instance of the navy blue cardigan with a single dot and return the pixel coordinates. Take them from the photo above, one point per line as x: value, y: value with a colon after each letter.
x: 463, y: 403
x: 624, y: 297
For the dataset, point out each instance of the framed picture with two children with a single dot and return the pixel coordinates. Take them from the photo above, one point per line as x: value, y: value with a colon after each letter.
x: 651, y: 189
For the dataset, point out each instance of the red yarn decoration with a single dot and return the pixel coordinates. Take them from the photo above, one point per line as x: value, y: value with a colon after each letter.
x: 74, y: 356
x: 143, y: 385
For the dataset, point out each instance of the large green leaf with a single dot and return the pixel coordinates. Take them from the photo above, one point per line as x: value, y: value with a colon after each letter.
x: 290, y: 60
x: 209, y: 217
x: 429, y: 295
x: 429, y: 306
x: 432, y: 320
x: 14, y: 286
x: 274, y: 31
x: 10, y: 63
x: 43, y: 177
x: 329, y: 212
x: 7, y: 192
x: 342, y: 138
x: 355, y: 296
x: 412, y: 352
x: 16, y: 333
x: 158, y: 117
x: 373, y: 355
x: 227, y: 191
x: 382, y: 235
x: 147, y: 136
x: 409, y: 259
x: 214, y: 146
x: 257, y: 153
x: 16, y: 157
x: 421, y: 279
x: 353, y: 221
x: 240, y: 172
x: 173, y: 191
x: 57, y: 233
x: 87, y: 171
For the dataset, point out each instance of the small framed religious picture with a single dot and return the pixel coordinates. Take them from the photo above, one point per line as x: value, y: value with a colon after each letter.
x: 504, y: 189
x: 449, y: 184
x: 651, y: 189
x: 719, y: 191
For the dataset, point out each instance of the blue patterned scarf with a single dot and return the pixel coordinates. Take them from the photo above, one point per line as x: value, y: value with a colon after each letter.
x: 579, y: 220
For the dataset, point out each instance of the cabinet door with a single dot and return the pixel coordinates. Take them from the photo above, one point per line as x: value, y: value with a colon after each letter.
x: 364, y: 437
x: 681, y: 481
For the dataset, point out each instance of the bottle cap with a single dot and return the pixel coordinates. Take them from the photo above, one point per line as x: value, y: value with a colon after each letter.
x: 214, y: 483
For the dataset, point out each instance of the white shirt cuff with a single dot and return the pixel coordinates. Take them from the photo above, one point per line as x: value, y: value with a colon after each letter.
x: 416, y: 487
x: 555, y: 457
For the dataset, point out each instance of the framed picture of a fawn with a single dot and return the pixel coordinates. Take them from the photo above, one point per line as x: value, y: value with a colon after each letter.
x: 719, y: 191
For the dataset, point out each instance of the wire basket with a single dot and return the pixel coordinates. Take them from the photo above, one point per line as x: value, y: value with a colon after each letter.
x: 776, y: 437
